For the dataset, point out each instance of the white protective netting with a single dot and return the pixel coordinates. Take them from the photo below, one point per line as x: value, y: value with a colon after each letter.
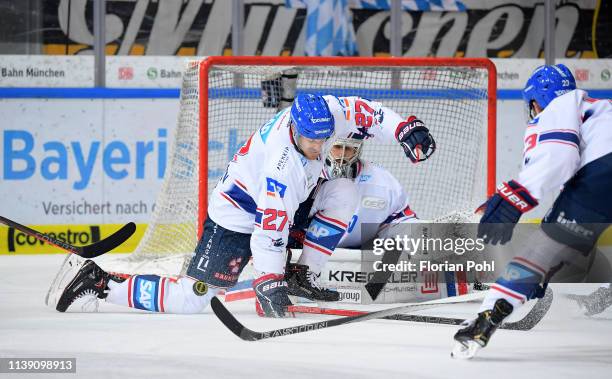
x: 451, y: 100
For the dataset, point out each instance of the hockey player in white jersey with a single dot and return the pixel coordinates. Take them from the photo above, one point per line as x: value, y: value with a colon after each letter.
x: 374, y: 184
x: 371, y: 182
x: 253, y: 205
x: 568, y: 143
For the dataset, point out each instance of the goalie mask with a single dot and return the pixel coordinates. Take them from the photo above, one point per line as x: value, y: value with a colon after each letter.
x: 341, y: 160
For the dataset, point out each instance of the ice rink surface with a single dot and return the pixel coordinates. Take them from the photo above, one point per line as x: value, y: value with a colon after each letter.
x: 121, y: 343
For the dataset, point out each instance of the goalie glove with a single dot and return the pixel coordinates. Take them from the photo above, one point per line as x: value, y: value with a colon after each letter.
x: 503, y: 210
x: 417, y: 142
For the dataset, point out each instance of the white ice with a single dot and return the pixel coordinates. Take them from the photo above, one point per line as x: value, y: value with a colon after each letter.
x: 122, y: 343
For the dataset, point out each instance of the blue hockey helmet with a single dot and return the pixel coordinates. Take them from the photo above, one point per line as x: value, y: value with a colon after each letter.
x: 311, y: 116
x: 548, y: 82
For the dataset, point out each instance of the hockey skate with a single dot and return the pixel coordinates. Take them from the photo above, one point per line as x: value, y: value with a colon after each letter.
x: 304, y: 283
x: 88, y: 285
x: 594, y: 303
x: 478, y: 332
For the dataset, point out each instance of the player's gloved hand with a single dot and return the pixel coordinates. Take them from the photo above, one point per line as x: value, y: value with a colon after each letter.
x: 503, y: 210
x: 417, y: 142
x: 271, y: 295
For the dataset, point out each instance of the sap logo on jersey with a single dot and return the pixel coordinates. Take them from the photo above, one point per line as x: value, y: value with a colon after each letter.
x: 145, y: 292
x: 57, y: 160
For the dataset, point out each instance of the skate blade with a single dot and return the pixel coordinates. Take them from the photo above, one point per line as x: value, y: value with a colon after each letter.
x: 66, y: 273
x: 84, y: 304
x: 461, y: 351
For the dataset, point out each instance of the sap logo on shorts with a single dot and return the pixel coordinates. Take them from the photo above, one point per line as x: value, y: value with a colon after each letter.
x: 372, y: 202
x: 145, y: 292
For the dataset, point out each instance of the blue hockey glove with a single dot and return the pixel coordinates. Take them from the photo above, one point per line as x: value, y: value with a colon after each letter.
x: 503, y: 210
x: 272, y: 295
x: 417, y: 142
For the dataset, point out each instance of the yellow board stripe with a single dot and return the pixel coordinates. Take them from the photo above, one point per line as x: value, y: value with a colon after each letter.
x: 13, y: 241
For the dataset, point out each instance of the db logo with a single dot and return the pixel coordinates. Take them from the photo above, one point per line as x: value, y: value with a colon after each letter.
x: 318, y: 231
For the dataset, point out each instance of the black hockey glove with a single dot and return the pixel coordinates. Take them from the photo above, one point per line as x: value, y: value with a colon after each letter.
x: 503, y: 210
x: 272, y: 295
x: 417, y: 142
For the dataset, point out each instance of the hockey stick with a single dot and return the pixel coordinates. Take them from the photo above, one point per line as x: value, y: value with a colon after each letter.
x: 90, y: 251
x: 378, y: 281
x: 531, y: 319
x: 247, y: 334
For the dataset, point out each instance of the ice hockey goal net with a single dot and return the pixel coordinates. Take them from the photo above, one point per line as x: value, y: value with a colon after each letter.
x: 222, y: 104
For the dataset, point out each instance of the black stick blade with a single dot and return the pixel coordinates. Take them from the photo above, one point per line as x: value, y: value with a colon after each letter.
x: 230, y: 322
x: 109, y: 243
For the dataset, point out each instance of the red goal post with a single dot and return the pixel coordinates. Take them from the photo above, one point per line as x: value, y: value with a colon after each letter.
x: 482, y: 68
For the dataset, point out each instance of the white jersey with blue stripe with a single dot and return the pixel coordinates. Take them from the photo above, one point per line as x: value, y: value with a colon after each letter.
x: 382, y: 202
x: 268, y: 178
x: 572, y: 131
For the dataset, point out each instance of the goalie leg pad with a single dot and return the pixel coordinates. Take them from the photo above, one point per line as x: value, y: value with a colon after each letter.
x: 220, y: 256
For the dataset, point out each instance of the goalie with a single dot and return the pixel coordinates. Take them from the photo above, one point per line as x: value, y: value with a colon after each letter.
x: 253, y: 205
x: 382, y: 211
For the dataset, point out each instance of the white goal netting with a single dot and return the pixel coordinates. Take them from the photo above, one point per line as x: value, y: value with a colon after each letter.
x: 451, y: 97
